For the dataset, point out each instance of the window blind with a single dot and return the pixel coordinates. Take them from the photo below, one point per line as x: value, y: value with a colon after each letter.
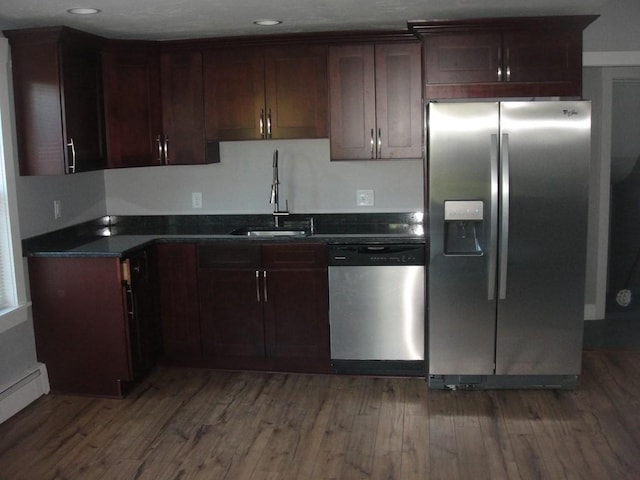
x: 7, y: 282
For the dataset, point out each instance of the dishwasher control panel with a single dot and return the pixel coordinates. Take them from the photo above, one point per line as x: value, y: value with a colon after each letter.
x: 376, y: 255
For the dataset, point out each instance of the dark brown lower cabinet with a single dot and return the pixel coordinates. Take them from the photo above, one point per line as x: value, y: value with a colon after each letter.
x: 264, y: 306
x: 178, y: 301
x: 102, y: 322
x: 95, y: 321
x: 296, y: 322
x: 230, y: 313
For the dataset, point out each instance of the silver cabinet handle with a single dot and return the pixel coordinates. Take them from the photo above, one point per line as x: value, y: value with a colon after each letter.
x: 132, y: 301
x: 261, y: 122
x: 504, y: 220
x: 264, y: 286
x: 372, y: 144
x: 378, y: 154
x: 257, y: 285
x: 165, y: 150
x: 159, y: 144
x: 72, y: 165
x: 493, y: 222
x: 508, y: 66
x: 269, y: 133
x: 499, y: 64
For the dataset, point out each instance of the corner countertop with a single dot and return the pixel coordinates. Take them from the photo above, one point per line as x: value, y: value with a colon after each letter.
x: 119, y: 236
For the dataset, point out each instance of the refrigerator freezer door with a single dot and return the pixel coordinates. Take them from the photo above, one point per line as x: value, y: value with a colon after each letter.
x: 540, y: 318
x: 462, y: 166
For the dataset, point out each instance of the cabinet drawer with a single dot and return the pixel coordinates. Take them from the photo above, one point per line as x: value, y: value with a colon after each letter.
x: 294, y: 255
x: 228, y: 256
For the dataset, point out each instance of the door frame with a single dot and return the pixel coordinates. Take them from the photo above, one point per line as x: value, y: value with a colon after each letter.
x: 598, y: 87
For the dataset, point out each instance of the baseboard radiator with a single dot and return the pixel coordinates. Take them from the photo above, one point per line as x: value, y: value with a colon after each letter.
x: 16, y: 396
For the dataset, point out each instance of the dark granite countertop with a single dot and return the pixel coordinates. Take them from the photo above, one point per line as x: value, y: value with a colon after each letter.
x: 122, y: 235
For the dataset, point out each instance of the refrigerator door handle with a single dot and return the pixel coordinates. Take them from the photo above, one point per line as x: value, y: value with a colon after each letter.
x: 504, y: 217
x: 493, y: 222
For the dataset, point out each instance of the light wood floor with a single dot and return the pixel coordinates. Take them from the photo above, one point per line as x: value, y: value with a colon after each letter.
x: 190, y: 423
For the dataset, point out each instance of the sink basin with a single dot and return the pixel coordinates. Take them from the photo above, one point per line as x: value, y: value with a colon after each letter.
x: 270, y: 232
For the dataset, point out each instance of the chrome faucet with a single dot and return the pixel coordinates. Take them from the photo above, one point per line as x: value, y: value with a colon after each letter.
x: 275, y: 193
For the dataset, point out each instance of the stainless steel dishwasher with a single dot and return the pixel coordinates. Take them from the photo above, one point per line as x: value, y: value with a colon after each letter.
x: 377, y: 308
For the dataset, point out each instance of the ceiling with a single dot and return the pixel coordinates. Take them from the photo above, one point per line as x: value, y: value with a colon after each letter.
x: 177, y: 19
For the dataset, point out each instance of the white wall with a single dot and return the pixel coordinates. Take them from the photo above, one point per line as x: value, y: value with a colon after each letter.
x: 82, y: 197
x: 241, y: 182
x: 616, y: 29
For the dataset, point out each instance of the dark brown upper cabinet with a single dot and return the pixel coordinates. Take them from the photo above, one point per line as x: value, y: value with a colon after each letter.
x: 58, y: 100
x: 183, y: 109
x: 375, y: 101
x: 507, y: 57
x: 262, y: 93
x: 154, y: 106
x: 132, y: 104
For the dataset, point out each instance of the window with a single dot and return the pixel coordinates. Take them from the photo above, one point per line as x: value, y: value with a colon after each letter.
x: 7, y: 278
x: 12, y: 281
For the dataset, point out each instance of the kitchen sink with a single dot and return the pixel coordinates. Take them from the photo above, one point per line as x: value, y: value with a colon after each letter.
x: 270, y: 232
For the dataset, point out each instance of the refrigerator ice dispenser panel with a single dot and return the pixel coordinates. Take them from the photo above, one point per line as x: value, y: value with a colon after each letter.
x: 463, y: 227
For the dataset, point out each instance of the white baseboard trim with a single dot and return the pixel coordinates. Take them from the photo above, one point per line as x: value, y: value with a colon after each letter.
x: 33, y: 384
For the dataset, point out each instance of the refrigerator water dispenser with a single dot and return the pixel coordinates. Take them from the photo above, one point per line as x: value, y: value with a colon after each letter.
x: 463, y: 227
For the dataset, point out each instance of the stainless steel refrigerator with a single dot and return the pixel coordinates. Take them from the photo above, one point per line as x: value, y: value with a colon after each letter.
x: 507, y: 188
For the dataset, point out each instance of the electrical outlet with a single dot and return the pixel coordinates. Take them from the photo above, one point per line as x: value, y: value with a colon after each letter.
x: 196, y: 199
x: 57, y: 209
x: 364, y: 198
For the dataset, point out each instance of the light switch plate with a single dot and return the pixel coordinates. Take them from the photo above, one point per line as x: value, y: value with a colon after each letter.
x: 196, y: 199
x: 57, y: 209
x: 364, y: 198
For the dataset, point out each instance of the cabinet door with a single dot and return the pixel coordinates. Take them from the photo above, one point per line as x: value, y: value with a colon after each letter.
x: 83, y: 114
x: 231, y: 312
x: 132, y: 104
x: 296, y: 92
x: 543, y: 56
x: 296, y: 319
x: 352, y: 99
x: 183, y: 108
x: 80, y: 323
x: 37, y: 97
x: 463, y: 58
x: 399, y: 101
x: 296, y: 302
x: 178, y: 294
x: 234, y: 94
x: 230, y: 287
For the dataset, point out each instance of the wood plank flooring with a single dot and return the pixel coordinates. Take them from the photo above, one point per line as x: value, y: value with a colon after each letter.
x: 203, y: 424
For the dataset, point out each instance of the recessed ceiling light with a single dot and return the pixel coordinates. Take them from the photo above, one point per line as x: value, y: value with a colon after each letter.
x: 267, y: 22
x: 83, y: 11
